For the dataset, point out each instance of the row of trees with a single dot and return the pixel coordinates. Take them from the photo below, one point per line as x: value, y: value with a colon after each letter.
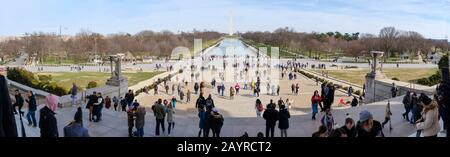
x: 390, y: 40
x: 145, y: 43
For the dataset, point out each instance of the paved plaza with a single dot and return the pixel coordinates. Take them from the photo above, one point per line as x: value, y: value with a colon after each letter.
x: 239, y: 113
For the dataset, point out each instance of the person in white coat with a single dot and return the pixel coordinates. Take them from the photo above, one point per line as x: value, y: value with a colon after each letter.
x: 429, y: 123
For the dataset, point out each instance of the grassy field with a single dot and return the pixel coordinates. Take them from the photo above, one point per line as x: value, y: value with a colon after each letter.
x: 358, y: 76
x: 83, y: 78
x: 283, y: 53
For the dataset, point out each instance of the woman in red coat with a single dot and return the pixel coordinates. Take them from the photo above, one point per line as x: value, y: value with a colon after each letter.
x: 315, y: 100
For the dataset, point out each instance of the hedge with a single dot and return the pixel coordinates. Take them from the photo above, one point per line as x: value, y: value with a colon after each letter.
x: 91, y: 84
x: 436, y: 78
x: 27, y: 78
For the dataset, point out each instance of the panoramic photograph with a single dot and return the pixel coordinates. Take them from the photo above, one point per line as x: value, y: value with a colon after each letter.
x: 224, y: 69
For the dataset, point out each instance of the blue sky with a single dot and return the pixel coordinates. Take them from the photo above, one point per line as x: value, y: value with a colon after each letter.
x: 428, y: 17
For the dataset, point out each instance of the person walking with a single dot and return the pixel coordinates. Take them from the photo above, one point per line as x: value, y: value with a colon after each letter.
x: 181, y: 96
x: 47, y: 120
x: 394, y: 90
x: 173, y: 101
x: 201, y: 101
x: 259, y: 108
x: 159, y: 113
x: 283, y: 123
x: 407, y: 104
x: 90, y: 104
x: 196, y: 87
x: 107, y: 102
x: 75, y: 128
x: 97, y: 106
x: 123, y: 104
x: 429, y: 123
x: 350, y: 91
x: 19, y: 103
x: 208, y: 117
x: 297, y: 89
x: 293, y: 88
x: 188, y: 96
x: 222, y: 89
x: 271, y: 117
x: 129, y: 97
x: 323, y: 93
x: 278, y: 90
x: 237, y: 87
x: 73, y: 94
x: 354, y: 102
x: 231, y: 93
x: 416, y: 109
x: 387, y: 117
x: 32, y: 107
x: 216, y: 122
x: 315, y: 100
x: 201, y: 123
x: 130, y: 120
x: 140, y: 121
x: 170, y: 122
x: 115, y: 102
x: 219, y: 88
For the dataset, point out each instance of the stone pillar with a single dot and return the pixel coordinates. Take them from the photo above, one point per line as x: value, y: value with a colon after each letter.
x: 116, y: 75
x: 111, y: 62
x: 375, y: 74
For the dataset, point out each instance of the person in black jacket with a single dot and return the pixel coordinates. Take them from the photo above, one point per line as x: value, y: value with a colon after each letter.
x: 349, y: 128
x: 407, y: 104
x: 208, y: 117
x: 354, y: 102
x: 329, y: 97
x: 19, y: 103
x: 216, y: 122
x: 47, y: 123
x: 283, y: 123
x: 201, y: 102
x: 90, y: 104
x: 271, y: 117
x: 32, y: 107
x: 8, y: 126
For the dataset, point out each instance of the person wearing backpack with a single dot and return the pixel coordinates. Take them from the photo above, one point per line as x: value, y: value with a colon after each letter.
x: 259, y: 108
x: 209, y: 102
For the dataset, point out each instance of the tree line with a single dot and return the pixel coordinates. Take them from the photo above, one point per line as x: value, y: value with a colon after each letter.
x: 390, y: 40
x: 85, y: 43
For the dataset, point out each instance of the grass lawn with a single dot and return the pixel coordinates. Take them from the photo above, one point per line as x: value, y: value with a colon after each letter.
x: 358, y: 76
x: 83, y: 78
x: 282, y: 52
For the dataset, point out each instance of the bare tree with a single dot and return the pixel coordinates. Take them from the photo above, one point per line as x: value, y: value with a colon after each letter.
x: 387, y: 37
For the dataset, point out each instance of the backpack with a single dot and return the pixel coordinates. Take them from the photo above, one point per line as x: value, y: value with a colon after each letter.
x: 260, y: 107
x: 209, y: 102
